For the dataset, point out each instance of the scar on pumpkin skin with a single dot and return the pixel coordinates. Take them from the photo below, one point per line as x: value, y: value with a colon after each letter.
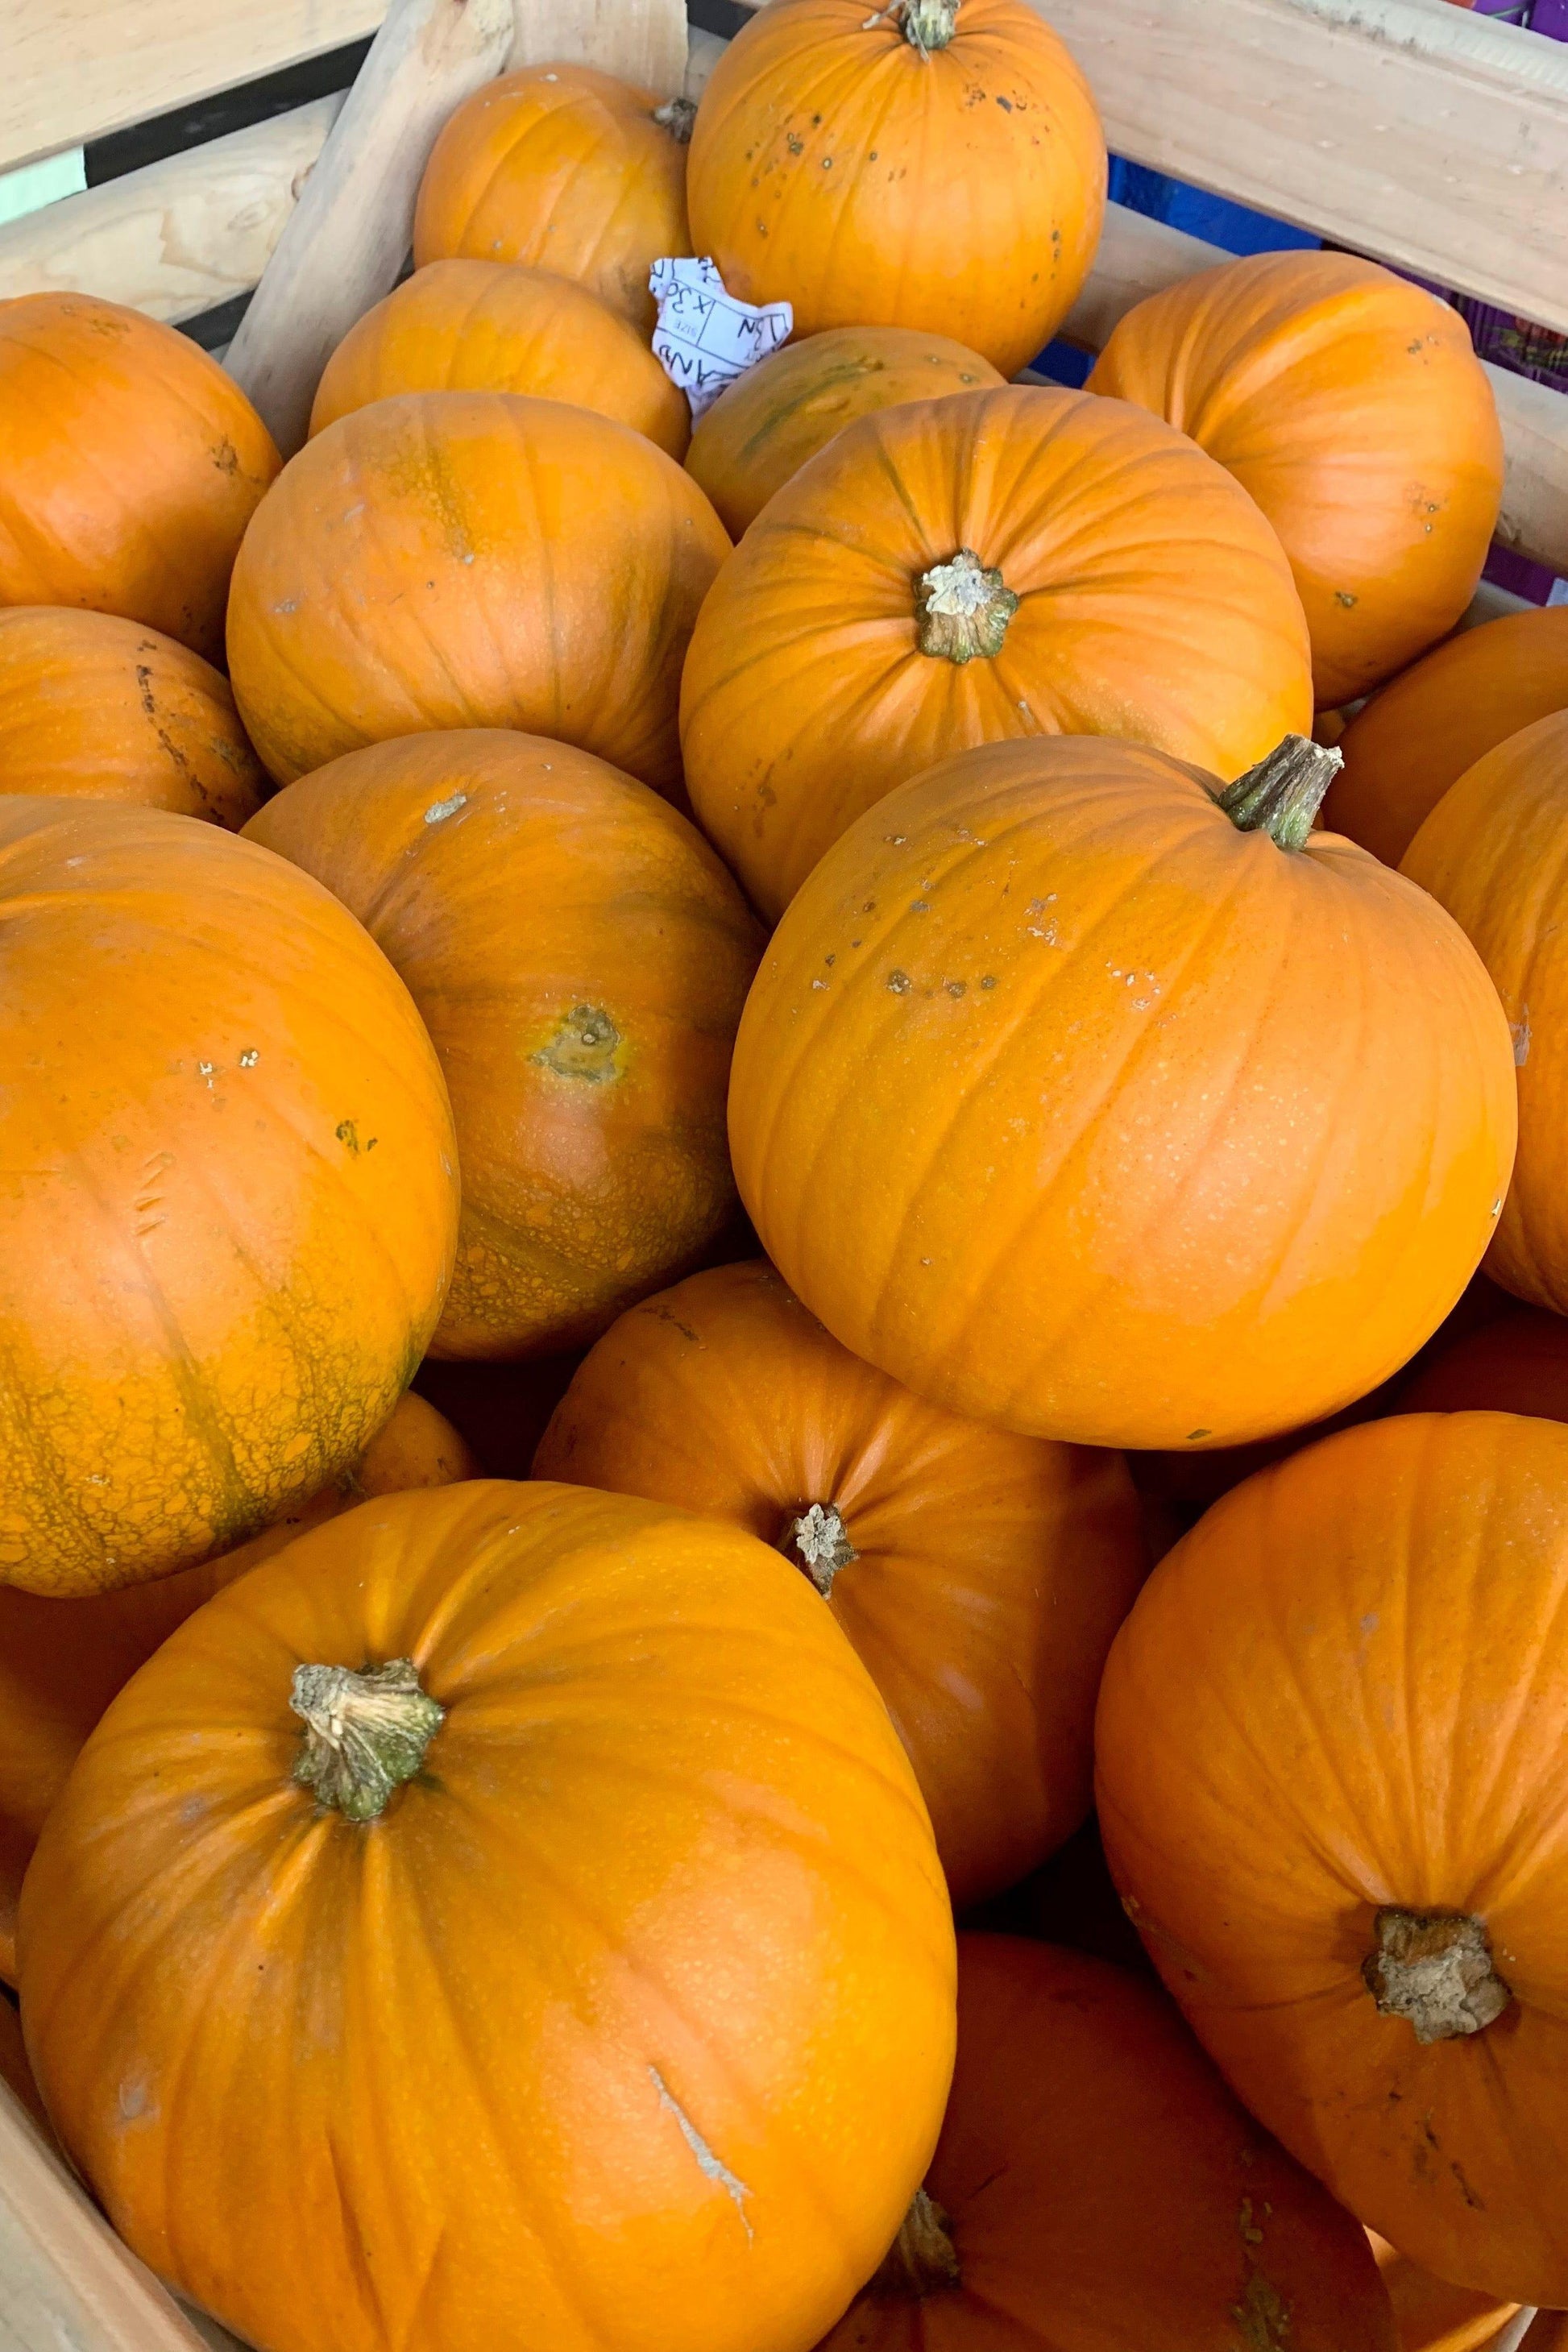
x: 709, y: 2165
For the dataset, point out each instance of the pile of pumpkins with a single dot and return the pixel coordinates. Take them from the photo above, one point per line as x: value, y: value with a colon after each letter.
x: 1020, y: 849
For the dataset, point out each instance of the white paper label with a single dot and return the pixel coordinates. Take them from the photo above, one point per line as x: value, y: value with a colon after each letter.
x: 706, y: 338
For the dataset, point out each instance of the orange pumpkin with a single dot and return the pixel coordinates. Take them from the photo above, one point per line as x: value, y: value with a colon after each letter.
x: 471, y: 559
x: 106, y: 708
x: 231, y: 1202
x: 1096, y: 2185
x: 471, y: 326
x: 580, y: 959
x: 132, y: 465
x: 1088, y: 1107
x: 1333, y: 1791
x: 584, y: 1954
x: 1426, y: 727
x: 1350, y: 404
x: 1431, y: 2315
x: 933, y: 165
x: 1012, y: 564
x: 61, y: 1662
x: 1493, y: 853
x: 566, y: 169
x: 980, y: 1576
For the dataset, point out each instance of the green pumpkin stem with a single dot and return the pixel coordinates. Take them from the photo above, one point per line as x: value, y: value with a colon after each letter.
x: 816, y: 1539
x: 964, y: 609
x: 928, y: 24
x: 921, y: 2260
x: 365, y: 1733
x: 1284, y: 793
x: 676, y: 116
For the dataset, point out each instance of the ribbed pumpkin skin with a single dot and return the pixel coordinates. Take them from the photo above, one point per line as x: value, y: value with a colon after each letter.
x: 132, y: 465
x: 1103, y: 2189
x: 1351, y: 406
x: 638, y: 1999
x: 477, y: 326
x: 1084, y: 1113
x: 1494, y: 852
x: 95, y: 706
x: 1438, y: 718
x: 472, y: 559
x: 1154, y: 604
x: 835, y: 167
x: 234, y: 1199
x: 1364, y: 1641
x: 580, y: 959
x: 563, y: 168
x: 991, y: 1571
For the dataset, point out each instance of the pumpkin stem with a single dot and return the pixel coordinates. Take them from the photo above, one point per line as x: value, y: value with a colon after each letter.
x: 964, y: 609
x: 1284, y: 793
x: 1435, y: 1968
x: 366, y: 1734
x: 817, y: 1540
x: 928, y: 24
x: 676, y: 116
x: 921, y: 2258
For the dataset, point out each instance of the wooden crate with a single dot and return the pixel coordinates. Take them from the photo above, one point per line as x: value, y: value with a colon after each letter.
x: 1405, y: 129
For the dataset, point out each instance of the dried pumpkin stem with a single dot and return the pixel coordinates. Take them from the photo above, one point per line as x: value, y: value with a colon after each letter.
x: 817, y: 1540
x: 1284, y: 793
x: 922, y: 2258
x: 676, y: 116
x: 963, y: 608
x: 1435, y: 1968
x: 365, y: 1733
x: 928, y: 24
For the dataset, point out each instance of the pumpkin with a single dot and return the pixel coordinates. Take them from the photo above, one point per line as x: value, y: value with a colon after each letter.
x: 471, y: 559
x: 937, y: 165
x: 580, y: 959
x: 1332, y: 1788
x: 132, y: 465
x: 1350, y: 404
x: 1415, y: 738
x: 471, y: 326
x: 61, y: 1662
x: 106, y: 708
x: 231, y: 1199
x: 1012, y: 563
x: 980, y: 1576
x: 1493, y: 852
x: 1088, y: 1107
x: 508, y: 1900
x: 1431, y: 2315
x: 1515, y: 1363
x: 1096, y: 2185
x: 563, y: 168
x: 761, y: 431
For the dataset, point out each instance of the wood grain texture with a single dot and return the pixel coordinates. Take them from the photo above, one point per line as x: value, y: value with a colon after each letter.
x: 644, y: 41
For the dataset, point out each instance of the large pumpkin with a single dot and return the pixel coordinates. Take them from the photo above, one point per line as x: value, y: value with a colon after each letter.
x: 578, y: 1970
x: 1086, y: 1107
x: 132, y: 465
x: 1012, y: 564
x: 61, y: 1662
x: 1493, y: 852
x: 1334, y: 1790
x: 108, y: 709
x: 1096, y: 2186
x: 471, y: 559
x: 580, y: 959
x: 231, y: 1192
x: 566, y: 169
x: 936, y: 165
x: 472, y: 326
x: 981, y: 1575
x: 1350, y: 404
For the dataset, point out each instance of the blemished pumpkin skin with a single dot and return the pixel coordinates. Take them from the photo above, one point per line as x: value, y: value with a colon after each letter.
x: 1153, y: 602
x: 1018, y: 976
x: 580, y: 959
x: 61, y: 1662
x: 1096, y: 2189
x: 108, y: 709
x: 980, y: 1576
x: 132, y: 465
x: 632, y: 2014
x: 1363, y: 1642
x: 1423, y: 731
x: 1351, y: 404
x: 232, y: 1204
x: 940, y: 167
x: 1494, y: 852
x: 448, y: 560
x: 1430, y: 2314
x: 760, y: 432
x: 562, y: 168
x: 477, y: 326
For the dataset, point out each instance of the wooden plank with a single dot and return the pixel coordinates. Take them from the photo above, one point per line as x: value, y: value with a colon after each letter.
x: 644, y: 41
